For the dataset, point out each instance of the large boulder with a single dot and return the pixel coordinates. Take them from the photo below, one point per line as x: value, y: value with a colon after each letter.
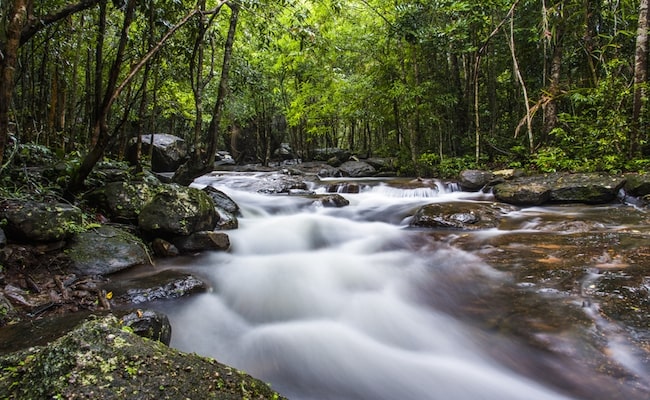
x: 106, y: 250
x: 459, y: 215
x: 167, y: 154
x: 356, y: 169
x: 473, y: 180
x: 589, y: 188
x: 178, y: 211
x: 123, y: 201
x: 40, y: 222
x: 101, y: 360
x: 325, y: 154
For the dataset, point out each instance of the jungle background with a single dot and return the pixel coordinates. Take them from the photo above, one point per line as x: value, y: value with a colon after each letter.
x: 438, y: 85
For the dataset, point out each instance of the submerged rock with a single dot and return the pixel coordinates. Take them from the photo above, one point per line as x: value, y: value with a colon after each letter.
x: 202, y: 241
x: 101, y: 360
x: 330, y: 200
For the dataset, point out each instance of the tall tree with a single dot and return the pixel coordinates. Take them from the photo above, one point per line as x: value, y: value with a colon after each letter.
x: 640, y: 76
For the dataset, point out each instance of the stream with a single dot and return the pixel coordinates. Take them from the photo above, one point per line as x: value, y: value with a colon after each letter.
x: 350, y: 303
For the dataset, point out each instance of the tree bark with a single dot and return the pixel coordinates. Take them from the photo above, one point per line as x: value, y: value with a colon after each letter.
x: 8, y: 60
x: 203, y: 162
x: 640, y: 77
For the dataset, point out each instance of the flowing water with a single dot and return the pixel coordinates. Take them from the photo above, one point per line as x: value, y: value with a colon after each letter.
x: 350, y: 303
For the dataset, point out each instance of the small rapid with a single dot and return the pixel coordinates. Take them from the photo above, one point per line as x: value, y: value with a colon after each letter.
x: 346, y: 303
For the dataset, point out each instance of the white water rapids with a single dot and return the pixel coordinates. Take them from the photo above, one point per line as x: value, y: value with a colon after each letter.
x: 323, y: 303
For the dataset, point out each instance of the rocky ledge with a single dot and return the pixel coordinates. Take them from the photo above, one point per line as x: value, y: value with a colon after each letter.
x: 103, y: 359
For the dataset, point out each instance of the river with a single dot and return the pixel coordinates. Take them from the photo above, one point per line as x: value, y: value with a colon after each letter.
x: 350, y: 303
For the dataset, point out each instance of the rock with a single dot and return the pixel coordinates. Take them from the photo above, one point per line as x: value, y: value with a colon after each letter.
x: 381, y: 164
x: 356, y: 169
x: 327, y: 153
x: 7, y: 311
x: 595, y: 188
x: 168, y: 152
x: 459, y: 215
x: 282, y: 184
x: 524, y: 194
x: 331, y: 200
x: 284, y: 152
x: 149, y: 324
x: 226, y: 208
x: 106, y: 250
x: 100, y: 360
x: 164, y: 285
x: 473, y: 180
x: 123, y: 201
x: 40, y: 222
x: 178, y: 211
x: 202, y: 241
x: 592, y: 188
x: 637, y: 185
x: 344, y: 187
x: 163, y: 248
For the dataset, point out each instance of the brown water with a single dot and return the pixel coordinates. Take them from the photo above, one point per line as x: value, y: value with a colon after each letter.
x: 350, y: 303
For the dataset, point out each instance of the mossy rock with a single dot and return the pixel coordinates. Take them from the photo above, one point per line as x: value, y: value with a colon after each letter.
x: 101, y: 359
x: 123, y: 201
x: 178, y: 211
x: 40, y: 222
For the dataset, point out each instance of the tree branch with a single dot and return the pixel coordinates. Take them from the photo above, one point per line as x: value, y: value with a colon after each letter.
x: 35, y: 24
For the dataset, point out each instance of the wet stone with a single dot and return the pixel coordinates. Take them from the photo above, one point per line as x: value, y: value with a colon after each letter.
x: 165, y: 285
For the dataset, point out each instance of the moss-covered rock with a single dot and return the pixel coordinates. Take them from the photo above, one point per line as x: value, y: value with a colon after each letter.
x: 123, y: 201
x: 178, y: 211
x: 460, y: 215
x: 106, y: 250
x: 40, y: 222
x: 101, y: 359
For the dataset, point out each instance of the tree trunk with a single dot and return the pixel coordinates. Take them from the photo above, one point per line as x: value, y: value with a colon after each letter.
x: 200, y: 164
x: 640, y: 77
x: 16, y: 20
x: 551, y: 109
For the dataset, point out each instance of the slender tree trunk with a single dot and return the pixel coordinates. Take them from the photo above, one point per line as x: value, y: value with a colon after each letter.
x: 551, y: 108
x: 8, y: 58
x: 640, y: 77
x: 199, y: 164
x: 520, y: 78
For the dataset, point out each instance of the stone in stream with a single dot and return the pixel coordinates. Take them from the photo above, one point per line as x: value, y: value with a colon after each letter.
x: 460, y: 215
x: 164, y: 285
x: 588, y: 188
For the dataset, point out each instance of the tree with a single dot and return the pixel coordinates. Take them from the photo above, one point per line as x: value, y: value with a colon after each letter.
x: 640, y: 76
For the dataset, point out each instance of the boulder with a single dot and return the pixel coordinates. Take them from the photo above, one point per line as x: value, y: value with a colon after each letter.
x: 356, y: 169
x: 459, y: 215
x: 226, y: 208
x: 325, y: 154
x: 40, y: 222
x: 202, y: 241
x: 331, y: 200
x: 473, y: 180
x: 106, y: 250
x: 163, y: 248
x: 101, y: 360
x: 149, y: 324
x: 589, y: 188
x: 522, y: 193
x: 122, y: 201
x: 637, y: 185
x: 178, y: 211
x: 164, y: 285
x: 167, y: 154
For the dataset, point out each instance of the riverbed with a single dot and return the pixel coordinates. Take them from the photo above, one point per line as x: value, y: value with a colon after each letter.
x: 352, y: 303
